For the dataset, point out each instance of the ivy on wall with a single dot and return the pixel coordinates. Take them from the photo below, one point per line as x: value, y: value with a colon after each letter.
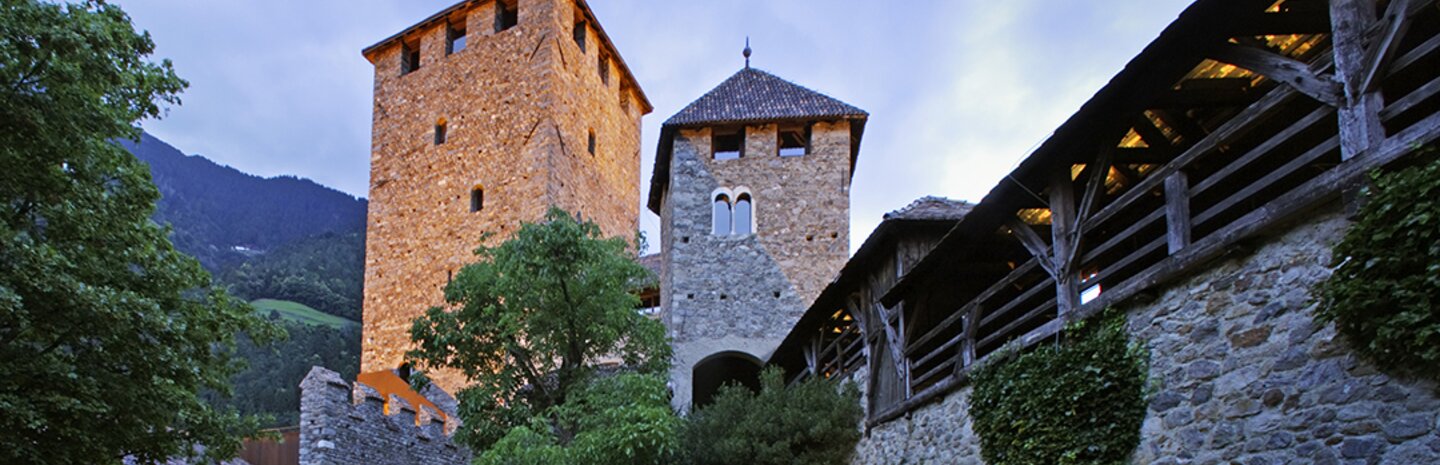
x: 1078, y: 402
x: 1384, y: 295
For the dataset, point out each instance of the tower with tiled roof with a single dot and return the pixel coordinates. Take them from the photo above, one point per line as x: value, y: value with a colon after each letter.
x: 752, y: 184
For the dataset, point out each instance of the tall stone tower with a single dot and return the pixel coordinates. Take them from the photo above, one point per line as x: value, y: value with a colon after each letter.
x: 752, y: 185
x: 487, y: 113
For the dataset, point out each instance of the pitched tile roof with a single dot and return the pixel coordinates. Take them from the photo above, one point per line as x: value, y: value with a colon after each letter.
x: 932, y: 208
x: 754, y: 95
x: 751, y: 96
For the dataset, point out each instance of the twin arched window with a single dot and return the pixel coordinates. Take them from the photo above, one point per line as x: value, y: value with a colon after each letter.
x: 732, y: 216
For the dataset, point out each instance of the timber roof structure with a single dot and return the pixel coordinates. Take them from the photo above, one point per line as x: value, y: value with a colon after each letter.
x: 1242, y: 116
x: 752, y: 96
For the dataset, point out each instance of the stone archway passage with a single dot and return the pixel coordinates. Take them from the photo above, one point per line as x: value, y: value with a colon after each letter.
x: 721, y: 369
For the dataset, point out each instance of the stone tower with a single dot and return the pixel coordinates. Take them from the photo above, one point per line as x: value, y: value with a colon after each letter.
x: 487, y: 113
x: 752, y: 185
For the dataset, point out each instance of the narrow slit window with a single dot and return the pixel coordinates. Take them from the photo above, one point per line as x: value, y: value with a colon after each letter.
x: 455, y: 38
x: 721, y: 222
x: 603, y: 67
x: 744, y: 214
x: 507, y: 15
x: 477, y: 199
x: 590, y: 143
x: 409, y: 58
x: 440, y: 128
x: 794, y: 141
x: 579, y: 33
x: 727, y: 144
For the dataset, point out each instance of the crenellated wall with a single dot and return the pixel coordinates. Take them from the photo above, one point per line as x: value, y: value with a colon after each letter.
x: 341, y: 423
x: 1242, y: 373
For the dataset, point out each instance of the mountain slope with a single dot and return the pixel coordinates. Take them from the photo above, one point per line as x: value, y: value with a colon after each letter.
x: 222, y: 215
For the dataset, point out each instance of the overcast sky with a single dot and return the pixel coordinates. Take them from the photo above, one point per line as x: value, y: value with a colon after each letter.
x: 958, y: 91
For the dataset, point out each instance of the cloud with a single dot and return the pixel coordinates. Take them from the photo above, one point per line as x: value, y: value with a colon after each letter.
x: 958, y: 91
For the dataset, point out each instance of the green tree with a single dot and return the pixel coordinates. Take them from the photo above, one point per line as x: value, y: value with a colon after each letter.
x: 526, y: 325
x: 815, y: 422
x: 107, y: 334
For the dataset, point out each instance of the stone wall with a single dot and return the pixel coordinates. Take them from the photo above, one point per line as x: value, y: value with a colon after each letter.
x: 518, y: 106
x: 345, y: 424
x: 1243, y: 374
x: 742, y: 293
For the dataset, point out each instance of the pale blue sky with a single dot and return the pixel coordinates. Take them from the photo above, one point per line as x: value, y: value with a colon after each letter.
x: 958, y: 91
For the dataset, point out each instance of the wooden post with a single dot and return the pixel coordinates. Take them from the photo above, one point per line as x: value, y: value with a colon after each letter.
x: 1360, y: 127
x: 967, y: 345
x: 1065, y: 238
x: 1177, y: 211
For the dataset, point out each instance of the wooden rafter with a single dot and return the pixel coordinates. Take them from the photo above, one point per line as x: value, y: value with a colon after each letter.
x: 1281, y: 68
x: 1394, y: 25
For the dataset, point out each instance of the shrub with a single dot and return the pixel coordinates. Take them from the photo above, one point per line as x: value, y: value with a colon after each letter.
x: 813, y: 422
x: 1080, y: 402
x: 1384, y: 295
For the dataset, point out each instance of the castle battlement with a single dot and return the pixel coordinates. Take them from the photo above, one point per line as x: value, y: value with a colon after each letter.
x: 343, y: 423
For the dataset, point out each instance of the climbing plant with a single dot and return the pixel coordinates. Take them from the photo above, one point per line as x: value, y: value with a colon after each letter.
x: 1078, y: 402
x: 1384, y: 295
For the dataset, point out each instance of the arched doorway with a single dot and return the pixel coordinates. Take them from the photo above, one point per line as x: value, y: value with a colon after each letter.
x: 721, y: 369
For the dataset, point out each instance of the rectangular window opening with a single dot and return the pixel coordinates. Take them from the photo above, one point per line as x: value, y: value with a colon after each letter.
x: 579, y: 33
x: 455, y: 38
x: 409, y: 58
x: 591, y: 142
x: 477, y: 199
x: 604, y: 69
x: 728, y: 144
x: 440, y: 133
x: 794, y: 141
x: 507, y: 15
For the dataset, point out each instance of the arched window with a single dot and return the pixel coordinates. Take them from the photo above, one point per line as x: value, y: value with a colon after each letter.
x: 477, y: 199
x: 722, y: 215
x: 744, y: 214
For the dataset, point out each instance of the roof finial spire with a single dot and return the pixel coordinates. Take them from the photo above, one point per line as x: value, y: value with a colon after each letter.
x: 747, y: 52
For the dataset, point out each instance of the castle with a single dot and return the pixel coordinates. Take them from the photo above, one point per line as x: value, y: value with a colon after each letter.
x: 1198, y: 194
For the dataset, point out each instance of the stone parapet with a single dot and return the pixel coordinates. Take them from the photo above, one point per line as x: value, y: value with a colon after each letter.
x: 341, y: 423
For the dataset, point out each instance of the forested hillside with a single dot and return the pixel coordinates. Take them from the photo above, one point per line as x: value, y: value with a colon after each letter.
x: 294, y: 247
x: 222, y: 215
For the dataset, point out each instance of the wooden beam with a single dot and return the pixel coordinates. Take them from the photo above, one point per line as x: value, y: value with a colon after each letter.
x: 894, y: 343
x: 1152, y: 135
x: 1177, y: 211
x: 1033, y: 243
x: 1141, y: 155
x: 1360, y: 127
x: 1394, y: 25
x: 1184, y: 98
x: 1294, y: 73
x: 1064, y: 232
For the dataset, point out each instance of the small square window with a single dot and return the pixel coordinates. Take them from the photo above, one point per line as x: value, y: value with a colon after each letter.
x: 727, y: 145
x: 455, y: 38
x: 409, y: 58
x: 794, y: 141
x: 579, y: 33
x: 604, y: 69
x: 507, y: 15
x: 477, y: 199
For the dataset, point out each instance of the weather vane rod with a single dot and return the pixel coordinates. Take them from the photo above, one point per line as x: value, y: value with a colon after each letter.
x: 747, y: 51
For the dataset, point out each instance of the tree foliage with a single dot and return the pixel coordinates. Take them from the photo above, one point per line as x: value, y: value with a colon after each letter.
x: 215, y: 208
x: 1080, y: 402
x: 624, y: 418
x: 270, y: 384
x: 107, y: 333
x: 527, y: 324
x: 813, y: 422
x: 325, y: 272
x: 1384, y: 295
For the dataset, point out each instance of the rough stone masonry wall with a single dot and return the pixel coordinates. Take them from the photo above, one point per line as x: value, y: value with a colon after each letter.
x: 742, y: 293
x: 1243, y: 375
x: 518, y: 106
x: 341, y: 424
